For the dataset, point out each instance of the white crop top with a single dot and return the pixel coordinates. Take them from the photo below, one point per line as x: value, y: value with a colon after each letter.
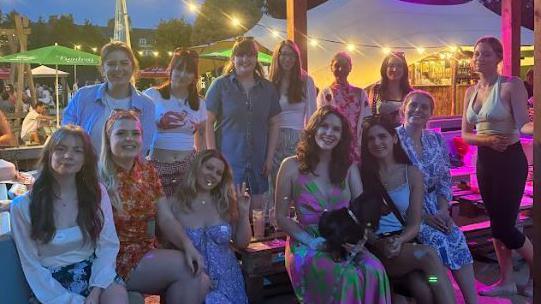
x: 296, y: 115
x: 182, y: 137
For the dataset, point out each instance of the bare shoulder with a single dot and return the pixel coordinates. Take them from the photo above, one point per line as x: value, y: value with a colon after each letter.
x: 290, y: 165
x: 469, y: 91
x: 414, y: 174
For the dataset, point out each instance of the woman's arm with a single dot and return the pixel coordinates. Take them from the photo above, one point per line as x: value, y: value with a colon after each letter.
x: 519, y: 105
x: 199, y: 137
x: 271, y: 147
x: 175, y: 234
x: 354, y: 181
x: 286, y: 174
x: 6, y: 137
x: 104, y: 266
x: 46, y: 289
x: 210, y: 135
x: 243, y: 231
x: 311, y: 96
x: 416, y: 202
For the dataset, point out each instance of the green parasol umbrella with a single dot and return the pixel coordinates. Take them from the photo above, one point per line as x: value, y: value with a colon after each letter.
x: 57, y: 55
x: 226, y: 54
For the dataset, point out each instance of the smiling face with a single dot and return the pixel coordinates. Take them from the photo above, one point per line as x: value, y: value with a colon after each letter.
x: 117, y: 68
x: 210, y: 174
x: 418, y: 110
x: 126, y: 139
x: 395, y: 69
x: 68, y: 156
x: 245, y: 63
x: 380, y: 142
x: 485, y: 59
x: 287, y: 58
x: 329, y: 132
x: 180, y: 76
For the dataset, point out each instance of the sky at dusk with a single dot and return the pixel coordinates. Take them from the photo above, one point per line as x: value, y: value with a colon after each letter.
x: 143, y: 13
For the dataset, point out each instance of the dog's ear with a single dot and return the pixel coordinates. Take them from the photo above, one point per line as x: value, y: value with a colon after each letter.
x: 367, y: 208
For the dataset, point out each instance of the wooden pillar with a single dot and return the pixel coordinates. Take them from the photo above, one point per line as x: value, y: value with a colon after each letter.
x: 537, y: 155
x: 297, y: 25
x: 511, y: 22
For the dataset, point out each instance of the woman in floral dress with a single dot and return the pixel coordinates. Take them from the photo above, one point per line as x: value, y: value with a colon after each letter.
x: 427, y: 152
x: 322, y: 177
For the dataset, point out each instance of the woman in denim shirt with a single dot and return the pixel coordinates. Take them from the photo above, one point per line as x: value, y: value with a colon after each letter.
x: 245, y: 107
x: 91, y: 105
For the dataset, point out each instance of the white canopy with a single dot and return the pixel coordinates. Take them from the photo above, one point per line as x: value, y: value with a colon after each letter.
x: 384, y: 23
x: 44, y: 71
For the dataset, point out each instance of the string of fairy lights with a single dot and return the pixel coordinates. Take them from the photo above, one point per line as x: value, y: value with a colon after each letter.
x: 313, y: 41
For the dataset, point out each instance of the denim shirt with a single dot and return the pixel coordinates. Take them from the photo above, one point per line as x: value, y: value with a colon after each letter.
x: 87, y: 106
x: 243, y: 119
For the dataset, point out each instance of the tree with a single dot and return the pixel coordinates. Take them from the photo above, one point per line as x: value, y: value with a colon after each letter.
x: 91, y: 36
x: 63, y: 30
x: 213, y: 21
x: 172, y: 33
x: 40, y: 35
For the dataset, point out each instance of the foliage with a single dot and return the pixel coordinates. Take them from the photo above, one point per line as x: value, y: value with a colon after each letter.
x: 213, y: 22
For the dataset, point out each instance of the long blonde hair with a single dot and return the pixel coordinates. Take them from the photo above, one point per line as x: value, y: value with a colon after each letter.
x: 223, y: 194
x: 107, y: 167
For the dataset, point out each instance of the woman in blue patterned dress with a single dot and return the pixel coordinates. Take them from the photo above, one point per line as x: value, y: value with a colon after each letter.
x: 213, y: 214
x: 428, y: 152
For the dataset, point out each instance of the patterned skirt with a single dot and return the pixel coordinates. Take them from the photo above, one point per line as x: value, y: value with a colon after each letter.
x: 285, y: 147
x: 172, y: 174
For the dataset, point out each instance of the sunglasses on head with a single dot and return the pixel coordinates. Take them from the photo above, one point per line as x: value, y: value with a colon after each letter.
x: 120, y: 113
x: 181, y: 51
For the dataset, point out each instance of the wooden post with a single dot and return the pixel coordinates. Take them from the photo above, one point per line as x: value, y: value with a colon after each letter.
x: 511, y: 22
x: 454, y: 66
x: 297, y: 25
x: 21, y: 23
x: 537, y: 155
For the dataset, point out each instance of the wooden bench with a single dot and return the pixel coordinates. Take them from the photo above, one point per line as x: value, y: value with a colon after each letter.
x: 263, y: 262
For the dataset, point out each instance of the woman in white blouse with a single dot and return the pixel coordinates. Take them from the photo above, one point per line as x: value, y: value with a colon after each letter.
x: 180, y: 118
x: 64, y: 229
x: 297, y: 99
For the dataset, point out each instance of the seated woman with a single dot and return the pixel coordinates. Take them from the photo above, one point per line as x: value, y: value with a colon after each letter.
x: 214, y: 213
x: 322, y: 177
x: 134, y: 188
x: 387, y: 169
x: 64, y: 229
x: 428, y: 153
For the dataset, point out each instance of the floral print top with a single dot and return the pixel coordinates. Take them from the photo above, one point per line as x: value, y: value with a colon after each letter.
x: 350, y: 101
x: 138, y: 189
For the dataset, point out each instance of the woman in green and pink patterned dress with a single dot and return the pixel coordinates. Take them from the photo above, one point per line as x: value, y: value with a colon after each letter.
x: 322, y: 177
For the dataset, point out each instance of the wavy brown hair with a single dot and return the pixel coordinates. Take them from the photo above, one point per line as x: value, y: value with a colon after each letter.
x: 46, y: 190
x: 188, y: 60
x: 297, y: 81
x: 223, y: 193
x: 342, y: 154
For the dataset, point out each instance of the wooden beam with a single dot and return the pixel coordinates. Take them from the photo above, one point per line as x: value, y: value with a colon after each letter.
x: 511, y: 22
x: 297, y: 26
x: 537, y: 155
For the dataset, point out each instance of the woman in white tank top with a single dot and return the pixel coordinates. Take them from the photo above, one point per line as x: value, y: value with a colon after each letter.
x: 497, y: 108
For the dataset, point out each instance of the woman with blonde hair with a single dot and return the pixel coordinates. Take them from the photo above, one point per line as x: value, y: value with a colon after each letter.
x: 135, y: 190
x: 215, y: 213
x: 91, y: 105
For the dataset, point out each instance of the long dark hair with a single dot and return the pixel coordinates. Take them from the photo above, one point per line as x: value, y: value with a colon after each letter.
x: 405, y: 86
x: 342, y: 154
x: 370, y: 166
x: 45, y: 191
x: 297, y: 81
x: 183, y: 59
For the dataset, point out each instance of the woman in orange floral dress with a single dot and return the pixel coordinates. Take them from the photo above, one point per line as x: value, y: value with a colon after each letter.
x: 135, y: 191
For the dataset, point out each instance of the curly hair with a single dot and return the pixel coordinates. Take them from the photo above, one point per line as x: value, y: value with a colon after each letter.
x: 46, y: 190
x: 342, y: 154
x: 223, y: 193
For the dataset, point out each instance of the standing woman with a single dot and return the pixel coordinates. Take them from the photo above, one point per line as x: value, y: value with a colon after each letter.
x: 134, y: 188
x: 498, y: 109
x: 180, y: 118
x: 297, y: 99
x: 428, y: 153
x: 244, y: 106
x: 64, y: 229
x: 91, y: 105
x: 322, y: 177
x: 386, y: 97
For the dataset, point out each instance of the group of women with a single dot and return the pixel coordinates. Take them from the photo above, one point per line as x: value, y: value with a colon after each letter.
x: 83, y: 231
